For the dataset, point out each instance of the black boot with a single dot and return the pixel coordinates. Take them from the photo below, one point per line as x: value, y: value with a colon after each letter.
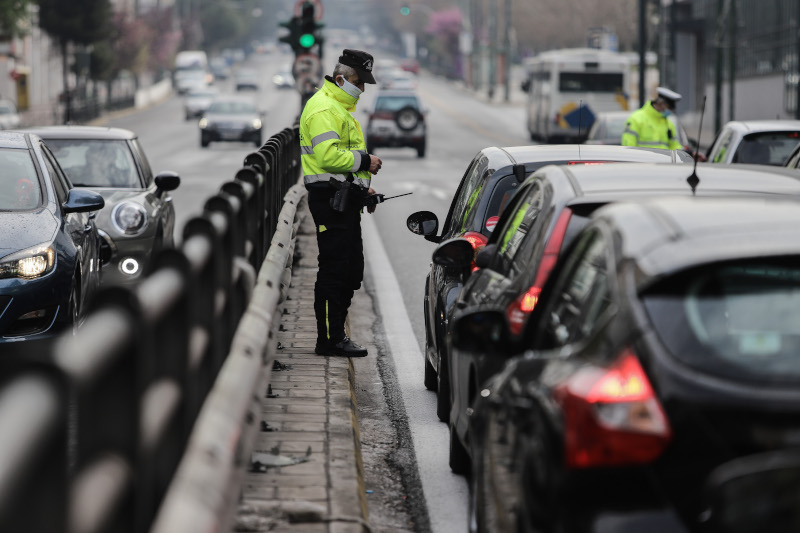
x: 343, y: 348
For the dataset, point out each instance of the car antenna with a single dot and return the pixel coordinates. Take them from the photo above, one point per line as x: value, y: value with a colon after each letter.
x: 693, y: 180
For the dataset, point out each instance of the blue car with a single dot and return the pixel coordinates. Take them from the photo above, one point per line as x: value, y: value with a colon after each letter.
x: 49, y: 245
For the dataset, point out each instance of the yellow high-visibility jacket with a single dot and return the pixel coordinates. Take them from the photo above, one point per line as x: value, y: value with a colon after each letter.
x: 648, y: 128
x: 331, y: 142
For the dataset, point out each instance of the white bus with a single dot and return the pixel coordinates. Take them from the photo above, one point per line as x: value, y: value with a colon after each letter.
x: 567, y: 88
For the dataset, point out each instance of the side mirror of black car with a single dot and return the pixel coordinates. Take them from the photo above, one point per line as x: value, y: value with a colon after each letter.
x: 754, y: 493
x: 167, y: 181
x: 484, y: 257
x: 424, y: 223
x: 457, y: 253
x: 483, y: 331
x: 83, y: 201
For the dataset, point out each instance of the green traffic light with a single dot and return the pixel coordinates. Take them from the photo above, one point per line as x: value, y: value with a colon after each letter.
x: 307, y: 40
x: 405, y: 11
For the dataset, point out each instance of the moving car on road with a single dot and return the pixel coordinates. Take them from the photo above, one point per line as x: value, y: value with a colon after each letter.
x: 196, y: 101
x: 609, y: 126
x: 49, y: 246
x: 545, y: 215
x: 663, y: 345
x: 138, y: 219
x: 760, y: 142
x: 397, y: 120
x: 231, y: 119
x: 491, y: 179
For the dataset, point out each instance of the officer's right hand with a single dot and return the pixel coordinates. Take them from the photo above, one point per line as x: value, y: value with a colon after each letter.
x: 375, y: 164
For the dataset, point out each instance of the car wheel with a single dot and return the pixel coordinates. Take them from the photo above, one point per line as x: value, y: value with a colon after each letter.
x: 204, y: 142
x: 443, y: 393
x: 421, y: 150
x: 459, y: 458
x: 430, y: 375
x: 73, y: 309
x: 407, y: 118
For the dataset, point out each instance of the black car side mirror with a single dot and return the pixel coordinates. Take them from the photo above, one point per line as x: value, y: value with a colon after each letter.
x: 424, y: 223
x: 83, y: 201
x: 166, y: 181
x: 457, y: 253
x: 483, y: 331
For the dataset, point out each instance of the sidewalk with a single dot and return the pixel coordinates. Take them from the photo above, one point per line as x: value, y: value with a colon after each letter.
x: 306, y: 474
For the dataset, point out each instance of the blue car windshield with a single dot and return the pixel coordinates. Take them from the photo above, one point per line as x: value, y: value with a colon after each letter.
x: 20, y: 189
x: 96, y: 163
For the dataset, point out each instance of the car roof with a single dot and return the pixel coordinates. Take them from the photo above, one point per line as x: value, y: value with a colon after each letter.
x: 721, y: 178
x: 754, y: 126
x: 663, y: 235
x: 584, y: 152
x: 13, y: 139
x: 82, y: 132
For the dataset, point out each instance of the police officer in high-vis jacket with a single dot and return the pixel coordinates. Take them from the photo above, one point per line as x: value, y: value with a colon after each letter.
x: 337, y: 171
x: 650, y: 126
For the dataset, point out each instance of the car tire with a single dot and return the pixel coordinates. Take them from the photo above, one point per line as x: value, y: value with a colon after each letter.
x: 407, y: 118
x: 204, y: 142
x: 421, y: 151
x: 443, y: 393
x: 74, y: 310
x: 459, y: 458
x: 430, y: 375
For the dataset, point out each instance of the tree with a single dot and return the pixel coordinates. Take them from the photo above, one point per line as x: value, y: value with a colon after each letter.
x: 74, y: 22
x: 12, y: 13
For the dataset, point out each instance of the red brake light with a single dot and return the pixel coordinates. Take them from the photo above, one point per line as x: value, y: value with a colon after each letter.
x: 478, y: 241
x: 517, y: 312
x: 612, y: 416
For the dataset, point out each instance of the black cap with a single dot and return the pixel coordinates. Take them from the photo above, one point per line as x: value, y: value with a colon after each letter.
x: 360, y: 61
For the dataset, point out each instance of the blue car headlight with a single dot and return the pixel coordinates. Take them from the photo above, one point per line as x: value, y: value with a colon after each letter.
x: 30, y: 263
x: 129, y: 218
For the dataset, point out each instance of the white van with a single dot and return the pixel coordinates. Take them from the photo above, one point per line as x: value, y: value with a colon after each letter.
x: 567, y: 88
x: 191, y: 60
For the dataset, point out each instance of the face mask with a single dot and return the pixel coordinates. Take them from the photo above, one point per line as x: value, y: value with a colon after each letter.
x: 666, y: 113
x: 350, y: 89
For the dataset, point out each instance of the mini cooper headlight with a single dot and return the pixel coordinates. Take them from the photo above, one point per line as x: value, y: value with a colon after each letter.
x: 129, y: 218
x: 31, y: 263
x: 256, y: 124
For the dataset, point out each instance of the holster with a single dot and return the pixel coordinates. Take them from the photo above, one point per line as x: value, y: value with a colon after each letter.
x: 347, y: 196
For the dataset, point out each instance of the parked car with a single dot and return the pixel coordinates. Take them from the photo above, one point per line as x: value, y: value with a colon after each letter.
x: 246, y: 79
x: 196, y: 101
x: 761, y: 142
x: 491, y: 179
x: 138, y: 219
x: 608, y: 127
x: 397, y: 119
x: 9, y: 116
x: 545, y: 215
x: 49, y: 246
x: 231, y: 119
x: 663, y: 346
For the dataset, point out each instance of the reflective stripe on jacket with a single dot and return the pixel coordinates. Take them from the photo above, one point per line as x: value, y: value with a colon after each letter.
x: 331, y: 142
x: 648, y: 128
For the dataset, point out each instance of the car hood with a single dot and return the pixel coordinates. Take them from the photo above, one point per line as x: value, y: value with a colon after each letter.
x: 23, y: 230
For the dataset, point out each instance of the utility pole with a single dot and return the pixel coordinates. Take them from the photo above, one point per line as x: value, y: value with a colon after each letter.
x: 507, y: 48
x: 492, y: 47
x: 642, y: 49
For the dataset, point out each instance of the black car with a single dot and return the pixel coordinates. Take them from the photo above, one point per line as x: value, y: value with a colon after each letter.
x: 231, y: 119
x: 664, y: 345
x: 138, y: 219
x: 491, y: 179
x: 550, y: 208
x: 49, y: 246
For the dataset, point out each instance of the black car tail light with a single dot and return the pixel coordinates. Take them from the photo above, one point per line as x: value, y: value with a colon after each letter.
x: 612, y: 416
x: 517, y: 312
x: 478, y: 241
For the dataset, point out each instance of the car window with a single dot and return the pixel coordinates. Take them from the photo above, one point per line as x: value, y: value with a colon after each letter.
x: 732, y: 319
x: 395, y: 103
x: 20, y: 188
x: 227, y: 106
x: 96, y: 163
x: 469, y: 183
x: 770, y: 148
x: 718, y: 156
x: 521, y: 225
x: 581, y: 294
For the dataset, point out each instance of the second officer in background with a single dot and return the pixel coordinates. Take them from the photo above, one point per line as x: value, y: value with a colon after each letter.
x: 337, y: 174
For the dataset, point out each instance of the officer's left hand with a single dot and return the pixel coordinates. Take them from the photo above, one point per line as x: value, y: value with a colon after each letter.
x: 371, y: 209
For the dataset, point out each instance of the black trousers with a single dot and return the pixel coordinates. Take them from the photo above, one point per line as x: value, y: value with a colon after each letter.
x: 341, y: 262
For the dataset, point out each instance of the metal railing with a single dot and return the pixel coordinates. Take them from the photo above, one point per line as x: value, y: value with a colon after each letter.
x: 94, y: 426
